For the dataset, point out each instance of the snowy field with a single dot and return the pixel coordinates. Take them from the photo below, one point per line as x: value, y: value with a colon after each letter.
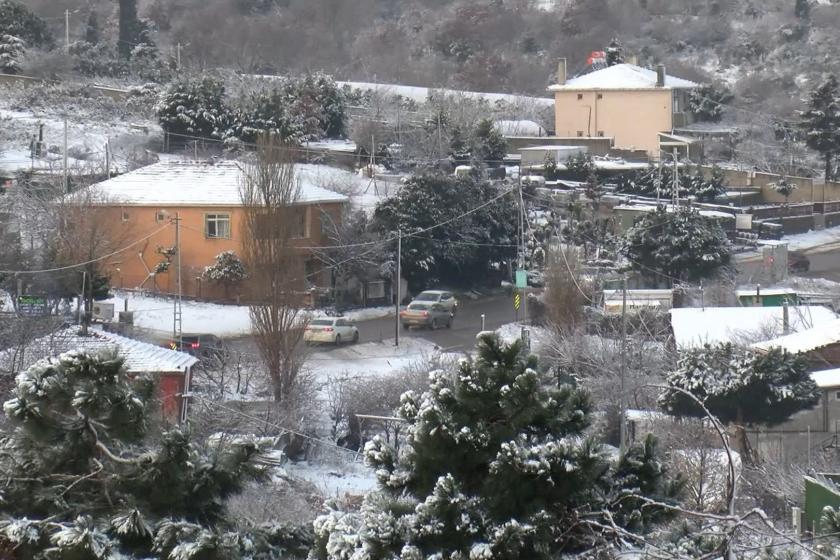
x: 812, y: 239
x: 155, y: 313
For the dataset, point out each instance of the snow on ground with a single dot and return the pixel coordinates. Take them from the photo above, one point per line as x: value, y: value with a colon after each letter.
x: 370, y: 358
x: 86, y: 138
x: 334, y: 481
x: 155, y: 313
x: 512, y: 331
x: 812, y: 239
x: 421, y: 94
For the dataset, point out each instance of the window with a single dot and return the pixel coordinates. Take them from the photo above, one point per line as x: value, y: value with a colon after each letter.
x: 601, y: 133
x: 580, y: 133
x: 300, y: 223
x: 600, y: 96
x: 580, y: 96
x: 125, y: 216
x: 160, y: 216
x: 837, y: 396
x: 217, y: 226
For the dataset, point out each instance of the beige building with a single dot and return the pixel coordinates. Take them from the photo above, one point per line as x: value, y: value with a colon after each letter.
x: 631, y: 104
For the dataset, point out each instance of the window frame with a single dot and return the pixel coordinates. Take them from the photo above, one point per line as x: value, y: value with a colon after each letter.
x: 216, y: 221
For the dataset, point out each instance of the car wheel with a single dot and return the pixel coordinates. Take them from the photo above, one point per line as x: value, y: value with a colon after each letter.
x: 355, y: 337
x: 433, y: 325
x: 337, y: 339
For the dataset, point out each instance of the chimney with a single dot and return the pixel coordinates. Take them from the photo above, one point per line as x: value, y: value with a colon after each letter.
x: 561, y: 72
x: 660, y: 75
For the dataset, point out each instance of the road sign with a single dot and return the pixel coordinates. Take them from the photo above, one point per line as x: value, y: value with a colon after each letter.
x: 517, y: 299
x: 521, y: 278
x: 32, y: 305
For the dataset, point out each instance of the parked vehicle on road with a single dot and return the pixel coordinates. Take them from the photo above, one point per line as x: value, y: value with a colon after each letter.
x: 425, y: 314
x: 202, y: 346
x: 446, y: 299
x: 330, y: 330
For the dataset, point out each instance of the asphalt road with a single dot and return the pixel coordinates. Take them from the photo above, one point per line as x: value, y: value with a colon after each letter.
x: 497, y: 311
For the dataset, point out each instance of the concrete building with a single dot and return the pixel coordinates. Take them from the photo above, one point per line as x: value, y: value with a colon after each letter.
x: 629, y: 103
x: 139, y: 207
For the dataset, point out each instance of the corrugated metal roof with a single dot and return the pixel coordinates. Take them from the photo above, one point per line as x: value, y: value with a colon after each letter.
x: 808, y: 340
x: 622, y: 76
x: 193, y: 183
x: 140, y: 357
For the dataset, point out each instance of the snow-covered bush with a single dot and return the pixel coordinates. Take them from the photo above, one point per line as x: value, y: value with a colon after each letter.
x: 227, y: 270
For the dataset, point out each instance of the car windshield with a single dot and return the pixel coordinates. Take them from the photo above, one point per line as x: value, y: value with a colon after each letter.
x: 321, y: 322
x: 420, y: 306
x: 427, y: 297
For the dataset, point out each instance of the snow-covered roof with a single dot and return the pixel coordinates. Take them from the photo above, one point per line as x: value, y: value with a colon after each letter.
x: 826, y: 378
x: 140, y: 357
x: 749, y: 292
x: 421, y: 94
x: 622, y: 76
x: 194, y: 183
x: 519, y: 128
x: 671, y: 208
x: 695, y: 326
x: 807, y: 340
x: 554, y: 148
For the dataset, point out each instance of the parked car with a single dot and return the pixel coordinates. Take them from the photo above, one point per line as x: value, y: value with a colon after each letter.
x: 332, y: 330
x: 446, y: 299
x: 201, y: 346
x: 425, y: 314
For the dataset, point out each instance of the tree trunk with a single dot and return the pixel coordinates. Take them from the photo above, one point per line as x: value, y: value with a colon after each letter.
x: 829, y: 175
x: 742, y: 443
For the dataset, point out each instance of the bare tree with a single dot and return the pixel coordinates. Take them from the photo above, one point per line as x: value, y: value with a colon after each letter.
x: 269, y: 194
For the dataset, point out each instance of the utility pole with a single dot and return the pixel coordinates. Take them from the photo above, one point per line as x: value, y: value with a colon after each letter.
x: 178, y: 57
x: 398, y: 283
x: 522, y: 263
x: 108, y: 157
x: 676, y: 180
x: 66, y: 31
x: 622, y: 430
x: 83, y: 305
x: 659, y: 179
x: 177, y: 331
x: 66, y: 173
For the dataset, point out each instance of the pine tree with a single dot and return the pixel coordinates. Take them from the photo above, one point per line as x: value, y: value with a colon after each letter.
x: 11, y: 50
x: 82, y: 481
x: 269, y: 112
x: 706, y: 102
x: 92, y: 29
x: 615, y: 52
x: 802, y: 10
x: 227, y: 270
x: 740, y: 387
x: 131, y: 29
x: 19, y: 21
x: 682, y: 245
x: 490, y: 145
x: 496, y: 466
x: 821, y: 122
x: 189, y: 110
x: 459, y: 151
x: 784, y: 187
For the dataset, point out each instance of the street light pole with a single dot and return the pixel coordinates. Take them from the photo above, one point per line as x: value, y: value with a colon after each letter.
x: 399, y: 290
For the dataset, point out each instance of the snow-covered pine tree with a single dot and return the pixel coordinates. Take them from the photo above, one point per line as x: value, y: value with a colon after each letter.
x: 459, y: 150
x: 496, y: 466
x: 82, y: 481
x: 682, y: 245
x: 226, y: 270
x: 268, y: 112
x: 490, y: 145
x: 615, y: 52
x: 740, y: 386
x: 190, y: 110
x: 11, y: 50
x: 19, y: 21
x: 706, y: 102
x: 821, y: 122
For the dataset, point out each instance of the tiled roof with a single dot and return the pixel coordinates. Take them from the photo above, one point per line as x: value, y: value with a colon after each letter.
x: 621, y: 76
x: 140, y: 357
x: 192, y: 183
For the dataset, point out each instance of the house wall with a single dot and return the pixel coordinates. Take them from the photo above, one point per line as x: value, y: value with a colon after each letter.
x: 634, y: 118
x: 131, y: 268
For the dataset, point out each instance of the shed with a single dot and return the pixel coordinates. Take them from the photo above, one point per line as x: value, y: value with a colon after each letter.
x: 819, y: 343
x: 821, y: 490
x: 774, y: 297
x: 171, y: 368
x: 537, y: 155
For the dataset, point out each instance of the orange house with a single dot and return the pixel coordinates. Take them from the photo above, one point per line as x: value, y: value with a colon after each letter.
x: 628, y: 103
x: 140, y: 207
